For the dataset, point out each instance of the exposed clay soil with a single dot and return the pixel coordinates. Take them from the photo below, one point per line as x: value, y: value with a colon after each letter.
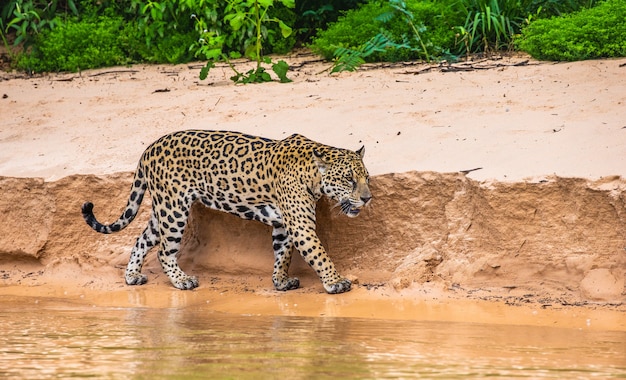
x: 541, y: 223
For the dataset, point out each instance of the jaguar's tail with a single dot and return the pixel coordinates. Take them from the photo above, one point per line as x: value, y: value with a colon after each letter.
x: 137, y: 191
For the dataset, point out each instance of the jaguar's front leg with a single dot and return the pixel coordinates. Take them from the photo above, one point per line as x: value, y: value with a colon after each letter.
x: 282, y: 260
x: 302, y: 234
x: 312, y: 251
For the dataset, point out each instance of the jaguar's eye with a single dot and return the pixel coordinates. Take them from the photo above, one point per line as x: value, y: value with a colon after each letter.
x: 351, y: 180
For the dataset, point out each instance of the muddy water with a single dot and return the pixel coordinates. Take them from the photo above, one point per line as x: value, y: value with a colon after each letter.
x: 60, y: 339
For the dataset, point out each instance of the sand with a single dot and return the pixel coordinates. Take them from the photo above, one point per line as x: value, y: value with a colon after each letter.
x: 497, y: 181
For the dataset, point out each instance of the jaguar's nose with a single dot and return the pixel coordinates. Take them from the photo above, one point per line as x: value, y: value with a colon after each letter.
x: 366, y: 199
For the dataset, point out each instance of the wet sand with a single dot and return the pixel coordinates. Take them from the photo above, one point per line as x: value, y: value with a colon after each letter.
x: 254, y: 295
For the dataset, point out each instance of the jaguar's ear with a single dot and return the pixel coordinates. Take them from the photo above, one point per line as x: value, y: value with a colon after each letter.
x: 320, y: 160
x: 361, y: 151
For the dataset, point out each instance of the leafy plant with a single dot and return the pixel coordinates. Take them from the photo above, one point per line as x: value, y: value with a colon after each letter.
x: 414, y: 29
x: 251, y: 16
x: 145, y: 31
x: 598, y: 32
x: 5, y: 41
x: 493, y: 24
x: 490, y: 24
x: 172, y: 48
x: 549, y: 8
x: 399, y: 7
x: 160, y: 18
x: 28, y: 18
x: 274, y: 40
x: 77, y: 45
x: 350, y: 59
x: 314, y: 19
x: 315, y: 15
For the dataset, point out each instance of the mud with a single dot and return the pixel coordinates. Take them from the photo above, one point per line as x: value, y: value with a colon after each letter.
x: 553, y: 242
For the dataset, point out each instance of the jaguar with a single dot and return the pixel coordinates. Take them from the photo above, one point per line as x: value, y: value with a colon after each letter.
x: 276, y: 182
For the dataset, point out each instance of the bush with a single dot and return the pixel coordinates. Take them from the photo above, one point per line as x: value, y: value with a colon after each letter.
x: 78, y: 45
x: 27, y: 18
x: 493, y: 24
x: 314, y: 15
x: 172, y: 48
x: 551, y: 8
x: 67, y: 35
x: 162, y: 18
x: 435, y: 19
x: 598, y: 32
x: 275, y: 42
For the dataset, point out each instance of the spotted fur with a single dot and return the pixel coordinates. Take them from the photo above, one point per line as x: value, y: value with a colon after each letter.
x: 276, y: 182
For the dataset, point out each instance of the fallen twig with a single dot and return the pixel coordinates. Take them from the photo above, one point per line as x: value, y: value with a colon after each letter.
x: 448, y: 68
x: 113, y: 72
x: 469, y: 170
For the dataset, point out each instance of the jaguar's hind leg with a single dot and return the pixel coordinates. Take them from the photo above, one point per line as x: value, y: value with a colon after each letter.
x: 148, y: 239
x: 282, y: 260
x: 172, y: 228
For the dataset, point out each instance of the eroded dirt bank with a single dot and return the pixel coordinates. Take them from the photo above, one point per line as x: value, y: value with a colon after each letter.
x: 559, y: 241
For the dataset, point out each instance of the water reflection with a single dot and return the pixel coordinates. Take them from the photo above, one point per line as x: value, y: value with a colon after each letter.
x: 56, y: 340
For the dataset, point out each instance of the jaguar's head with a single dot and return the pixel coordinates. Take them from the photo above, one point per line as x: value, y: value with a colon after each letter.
x: 344, y: 178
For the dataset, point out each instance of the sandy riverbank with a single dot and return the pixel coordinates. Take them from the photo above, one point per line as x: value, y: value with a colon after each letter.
x: 539, y: 228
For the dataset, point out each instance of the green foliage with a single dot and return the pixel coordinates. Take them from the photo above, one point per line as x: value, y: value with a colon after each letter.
x: 275, y: 41
x: 417, y: 29
x: 74, y: 35
x: 422, y: 29
x: 253, y: 18
x: 233, y: 28
x: 159, y: 19
x: 74, y: 46
x: 350, y: 31
x: 549, y: 8
x: 112, y: 32
x: 172, y: 48
x: 492, y: 24
x: 399, y: 7
x: 598, y: 32
x: 350, y: 59
x: 154, y: 19
x: 28, y: 18
x: 315, y: 15
x: 116, y: 32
